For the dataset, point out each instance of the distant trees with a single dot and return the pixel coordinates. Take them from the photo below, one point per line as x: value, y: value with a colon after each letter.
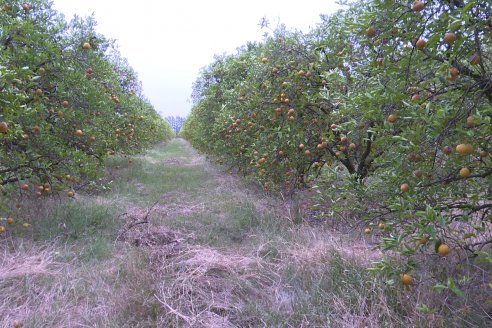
x: 176, y: 122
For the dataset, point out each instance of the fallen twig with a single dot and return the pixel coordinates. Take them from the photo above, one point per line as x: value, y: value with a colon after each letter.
x: 173, y: 311
x: 133, y: 224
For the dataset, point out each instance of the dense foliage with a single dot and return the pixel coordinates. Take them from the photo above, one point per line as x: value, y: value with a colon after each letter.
x: 67, y: 100
x: 384, y: 109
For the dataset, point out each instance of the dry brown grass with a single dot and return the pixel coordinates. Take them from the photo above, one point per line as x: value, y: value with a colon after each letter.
x: 34, y: 285
x: 204, y: 287
x: 21, y: 267
x: 20, y: 262
x: 42, y: 289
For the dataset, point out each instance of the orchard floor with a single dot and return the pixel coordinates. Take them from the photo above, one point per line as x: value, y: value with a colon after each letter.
x: 174, y: 241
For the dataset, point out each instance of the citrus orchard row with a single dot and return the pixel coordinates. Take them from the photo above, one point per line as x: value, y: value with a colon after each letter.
x: 384, y: 109
x: 67, y: 101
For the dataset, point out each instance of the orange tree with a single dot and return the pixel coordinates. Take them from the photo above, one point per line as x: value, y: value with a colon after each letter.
x: 388, y: 102
x: 67, y: 100
x: 428, y: 104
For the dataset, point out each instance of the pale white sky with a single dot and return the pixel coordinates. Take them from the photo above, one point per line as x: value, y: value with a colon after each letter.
x: 167, y: 42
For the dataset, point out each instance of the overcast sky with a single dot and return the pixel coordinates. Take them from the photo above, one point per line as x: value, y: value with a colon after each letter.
x: 167, y: 42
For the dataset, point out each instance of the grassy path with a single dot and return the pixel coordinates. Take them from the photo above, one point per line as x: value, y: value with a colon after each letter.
x: 174, y: 241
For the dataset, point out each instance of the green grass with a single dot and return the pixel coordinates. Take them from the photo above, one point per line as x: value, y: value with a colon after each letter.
x: 150, y: 176
x: 75, y: 220
x: 222, y: 224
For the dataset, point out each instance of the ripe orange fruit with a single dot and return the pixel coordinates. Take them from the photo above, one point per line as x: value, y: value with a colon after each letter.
x: 450, y: 38
x: 65, y: 103
x: 420, y: 44
x: 417, y: 173
x: 25, y: 225
x: 25, y: 7
x: 371, y: 31
x: 465, y: 172
x: 70, y: 194
x: 406, y: 279
x: 367, y: 231
x: 464, y: 149
x: 10, y: 221
x: 443, y: 250
x: 344, y: 139
x: 79, y: 133
x: 418, y: 5
x: 2, y: 229
x: 352, y: 146
x: 405, y: 187
x: 25, y: 186
x: 264, y: 60
x: 454, y: 71
x: 307, y: 152
x: 392, y: 118
x: 86, y: 45
x: 452, y: 77
x: 4, y: 127
x: 475, y: 59
x: 381, y: 226
x: 301, y: 146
